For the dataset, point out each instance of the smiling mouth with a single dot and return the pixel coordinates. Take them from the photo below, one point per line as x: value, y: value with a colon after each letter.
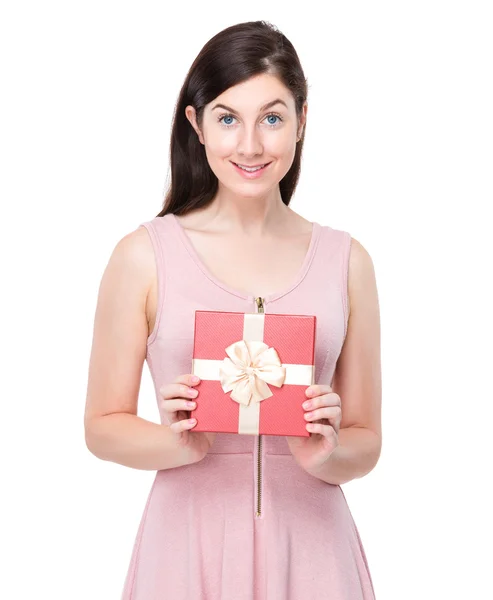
x: 251, y: 168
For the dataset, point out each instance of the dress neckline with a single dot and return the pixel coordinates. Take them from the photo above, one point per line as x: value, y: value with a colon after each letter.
x: 316, y: 228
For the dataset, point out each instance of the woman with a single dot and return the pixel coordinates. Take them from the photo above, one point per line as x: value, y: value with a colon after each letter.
x: 230, y: 516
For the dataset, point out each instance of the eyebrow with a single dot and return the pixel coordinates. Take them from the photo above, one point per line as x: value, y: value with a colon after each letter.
x: 264, y: 107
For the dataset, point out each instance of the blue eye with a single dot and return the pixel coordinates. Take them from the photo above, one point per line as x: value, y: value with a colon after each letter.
x: 230, y: 116
x: 226, y: 117
x: 275, y: 117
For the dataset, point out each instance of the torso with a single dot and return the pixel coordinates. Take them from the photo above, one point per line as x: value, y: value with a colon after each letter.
x: 235, y: 260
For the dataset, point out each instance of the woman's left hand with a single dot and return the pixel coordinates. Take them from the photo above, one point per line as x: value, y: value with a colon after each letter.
x: 325, y: 410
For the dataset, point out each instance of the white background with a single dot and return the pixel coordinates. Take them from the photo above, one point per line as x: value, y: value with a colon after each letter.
x: 398, y: 152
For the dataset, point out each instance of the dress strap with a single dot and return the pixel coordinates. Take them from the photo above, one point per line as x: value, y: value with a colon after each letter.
x: 154, y: 228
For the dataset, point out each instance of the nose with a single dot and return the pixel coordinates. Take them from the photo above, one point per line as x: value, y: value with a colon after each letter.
x: 250, y: 142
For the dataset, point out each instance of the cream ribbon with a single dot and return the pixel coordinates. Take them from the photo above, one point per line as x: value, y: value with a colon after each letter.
x: 250, y: 367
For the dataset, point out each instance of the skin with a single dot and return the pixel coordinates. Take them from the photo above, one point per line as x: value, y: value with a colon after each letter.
x: 246, y: 221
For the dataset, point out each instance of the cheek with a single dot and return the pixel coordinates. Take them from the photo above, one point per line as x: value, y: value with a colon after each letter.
x: 219, y: 146
x: 280, y: 146
x: 217, y: 157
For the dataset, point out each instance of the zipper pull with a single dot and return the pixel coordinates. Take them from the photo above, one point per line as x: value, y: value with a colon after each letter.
x: 260, y: 304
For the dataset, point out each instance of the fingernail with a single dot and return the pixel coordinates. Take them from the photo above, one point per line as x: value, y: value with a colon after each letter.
x: 191, y: 404
x: 307, y: 404
x: 309, y: 392
x: 195, y: 379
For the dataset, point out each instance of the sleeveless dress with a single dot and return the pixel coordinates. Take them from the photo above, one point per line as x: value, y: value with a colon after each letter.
x: 201, y: 536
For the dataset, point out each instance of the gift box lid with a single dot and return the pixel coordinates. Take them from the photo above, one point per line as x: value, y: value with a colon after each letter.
x: 293, y: 336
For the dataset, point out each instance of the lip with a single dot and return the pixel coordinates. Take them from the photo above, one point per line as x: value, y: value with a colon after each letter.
x: 253, y: 175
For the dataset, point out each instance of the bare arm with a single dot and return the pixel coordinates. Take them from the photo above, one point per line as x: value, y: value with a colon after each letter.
x: 113, y: 431
x: 357, y: 378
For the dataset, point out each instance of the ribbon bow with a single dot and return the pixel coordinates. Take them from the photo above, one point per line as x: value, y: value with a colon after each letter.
x: 250, y: 367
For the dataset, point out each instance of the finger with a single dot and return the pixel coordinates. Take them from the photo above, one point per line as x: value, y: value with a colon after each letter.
x: 331, y: 399
x: 183, y: 425
x: 326, y: 430
x: 317, y: 390
x: 178, y: 390
x: 177, y: 404
x: 327, y: 412
x: 188, y: 379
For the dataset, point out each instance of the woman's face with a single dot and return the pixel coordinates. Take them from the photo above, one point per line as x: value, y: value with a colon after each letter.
x: 250, y: 130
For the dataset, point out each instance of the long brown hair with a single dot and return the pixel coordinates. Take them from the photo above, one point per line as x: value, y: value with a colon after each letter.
x: 232, y: 56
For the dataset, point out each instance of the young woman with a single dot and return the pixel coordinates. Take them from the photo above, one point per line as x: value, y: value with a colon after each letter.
x: 230, y: 516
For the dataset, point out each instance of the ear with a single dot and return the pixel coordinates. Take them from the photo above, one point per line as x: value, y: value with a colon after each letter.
x: 191, y: 115
x: 302, y: 120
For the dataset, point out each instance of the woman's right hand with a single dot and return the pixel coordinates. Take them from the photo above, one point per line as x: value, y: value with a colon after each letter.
x: 175, y: 402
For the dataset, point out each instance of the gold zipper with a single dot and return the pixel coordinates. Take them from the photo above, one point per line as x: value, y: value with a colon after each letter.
x: 260, y: 308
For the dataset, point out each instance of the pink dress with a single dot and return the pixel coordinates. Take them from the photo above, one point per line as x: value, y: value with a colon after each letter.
x: 203, y: 535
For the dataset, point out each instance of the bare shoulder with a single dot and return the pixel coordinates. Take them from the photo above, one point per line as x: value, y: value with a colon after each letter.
x: 361, y: 273
x: 131, y: 269
x: 135, y: 249
x: 133, y: 258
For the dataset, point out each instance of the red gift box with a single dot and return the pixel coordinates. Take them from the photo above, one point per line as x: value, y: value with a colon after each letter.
x: 254, y: 370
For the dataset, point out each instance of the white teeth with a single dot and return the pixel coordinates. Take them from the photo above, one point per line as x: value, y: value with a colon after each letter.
x: 250, y: 169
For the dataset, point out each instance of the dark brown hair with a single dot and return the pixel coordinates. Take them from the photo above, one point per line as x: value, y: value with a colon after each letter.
x: 232, y: 56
